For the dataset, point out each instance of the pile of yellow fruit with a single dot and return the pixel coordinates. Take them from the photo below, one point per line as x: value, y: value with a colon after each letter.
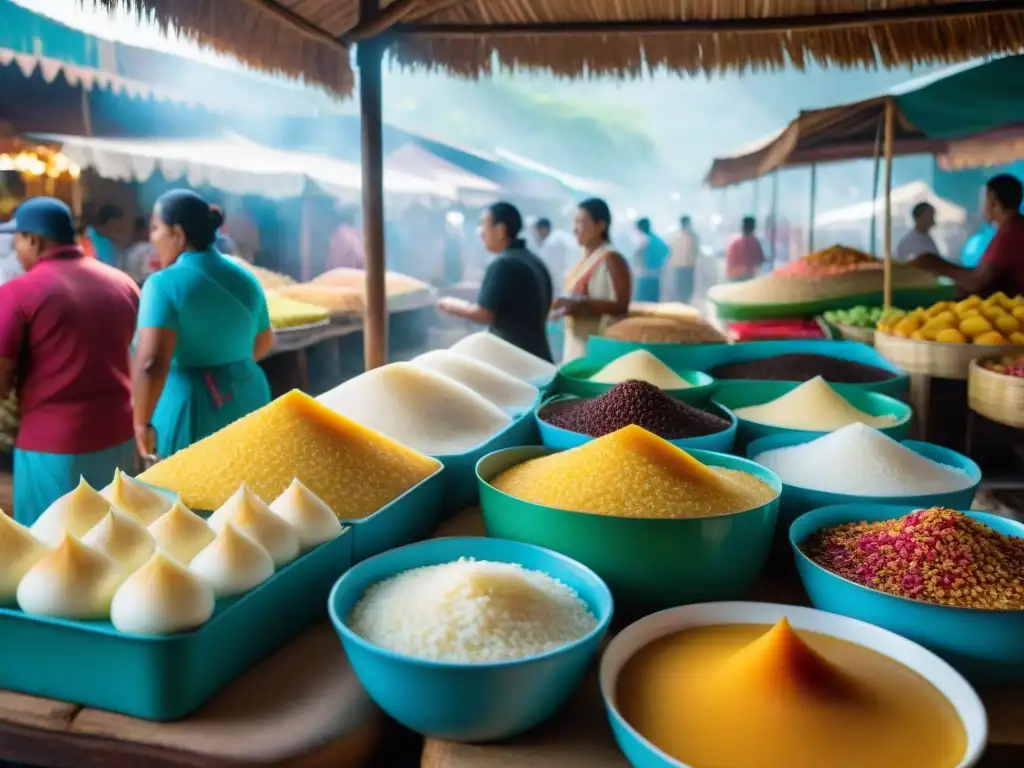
x: 992, y: 321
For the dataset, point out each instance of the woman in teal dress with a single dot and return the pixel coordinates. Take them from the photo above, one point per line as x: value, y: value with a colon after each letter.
x: 203, y: 324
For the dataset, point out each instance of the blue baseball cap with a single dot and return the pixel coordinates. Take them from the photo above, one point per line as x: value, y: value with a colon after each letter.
x: 43, y: 216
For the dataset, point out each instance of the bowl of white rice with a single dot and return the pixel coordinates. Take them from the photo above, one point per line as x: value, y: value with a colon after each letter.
x: 470, y: 639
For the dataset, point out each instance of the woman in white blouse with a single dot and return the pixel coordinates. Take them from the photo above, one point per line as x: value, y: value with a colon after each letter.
x: 598, y: 287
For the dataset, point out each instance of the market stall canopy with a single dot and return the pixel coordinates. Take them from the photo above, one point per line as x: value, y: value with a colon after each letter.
x: 903, y: 201
x: 307, y: 39
x: 234, y: 165
x: 416, y: 161
x: 971, y: 100
x: 568, y: 180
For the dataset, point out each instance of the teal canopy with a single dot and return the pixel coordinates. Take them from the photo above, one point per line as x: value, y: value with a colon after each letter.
x: 982, y: 99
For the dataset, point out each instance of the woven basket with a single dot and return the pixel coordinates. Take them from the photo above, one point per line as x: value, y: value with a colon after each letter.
x: 932, y: 358
x: 853, y: 333
x: 995, y: 396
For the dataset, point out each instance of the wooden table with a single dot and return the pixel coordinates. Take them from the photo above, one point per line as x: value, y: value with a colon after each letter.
x: 300, y: 708
x: 580, y: 736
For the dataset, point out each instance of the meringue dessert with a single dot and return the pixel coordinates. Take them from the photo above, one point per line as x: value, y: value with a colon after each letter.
x: 307, y: 513
x: 19, y: 551
x: 251, y: 515
x: 123, y: 539
x: 72, y: 581
x: 181, y: 533
x: 161, y: 598
x: 233, y: 563
x: 135, y: 498
x: 75, y: 512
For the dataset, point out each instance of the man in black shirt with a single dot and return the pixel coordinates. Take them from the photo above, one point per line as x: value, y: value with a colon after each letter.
x: 516, y: 293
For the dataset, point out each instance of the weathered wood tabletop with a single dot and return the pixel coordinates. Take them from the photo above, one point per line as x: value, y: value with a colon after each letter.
x: 580, y: 736
x: 300, y: 708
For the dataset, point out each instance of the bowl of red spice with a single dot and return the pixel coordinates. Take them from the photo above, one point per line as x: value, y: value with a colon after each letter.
x: 951, y: 581
x: 567, y: 422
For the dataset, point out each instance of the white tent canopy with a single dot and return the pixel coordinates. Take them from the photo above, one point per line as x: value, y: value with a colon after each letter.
x: 236, y: 166
x: 903, y: 201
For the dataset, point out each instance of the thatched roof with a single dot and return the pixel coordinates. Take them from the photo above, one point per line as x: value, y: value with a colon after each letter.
x: 610, y: 37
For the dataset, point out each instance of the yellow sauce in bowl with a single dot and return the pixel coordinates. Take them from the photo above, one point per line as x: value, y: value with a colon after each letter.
x: 753, y: 696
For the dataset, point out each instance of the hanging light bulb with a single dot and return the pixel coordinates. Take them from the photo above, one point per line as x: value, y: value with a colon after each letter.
x: 6, y: 162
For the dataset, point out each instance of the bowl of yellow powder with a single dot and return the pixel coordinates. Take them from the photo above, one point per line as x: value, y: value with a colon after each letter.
x: 592, y: 377
x: 781, y: 686
x: 662, y: 526
x: 811, y: 408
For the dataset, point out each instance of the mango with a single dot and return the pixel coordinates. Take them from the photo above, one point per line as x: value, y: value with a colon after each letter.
x: 933, y: 327
x: 1007, y: 324
x: 917, y: 336
x: 1016, y: 338
x: 991, y: 338
x: 907, y: 326
x: 969, y: 303
x: 969, y: 313
x: 1018, y: 312
x: 951, y: 336
x: 974, y: 326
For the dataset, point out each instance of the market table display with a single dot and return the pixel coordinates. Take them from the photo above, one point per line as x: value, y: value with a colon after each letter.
x: 580, y: 736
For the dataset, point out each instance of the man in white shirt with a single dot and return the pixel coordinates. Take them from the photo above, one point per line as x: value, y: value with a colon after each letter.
x: 556, y: 251
x: 917, y: 242
x: 10, y: 267
x: 684, y: 248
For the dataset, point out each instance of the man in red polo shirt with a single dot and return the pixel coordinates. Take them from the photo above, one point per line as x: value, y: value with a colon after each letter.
x: 1002, y: 266
x: 66, y: 326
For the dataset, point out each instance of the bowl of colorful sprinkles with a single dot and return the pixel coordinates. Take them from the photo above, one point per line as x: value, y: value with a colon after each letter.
x: 470, y: 639
x: 951, y: 581
x: 861, y: 464
x: 567, y: 422
x: 781, y: 686
x: 662, y: 526
x: 589, y: 377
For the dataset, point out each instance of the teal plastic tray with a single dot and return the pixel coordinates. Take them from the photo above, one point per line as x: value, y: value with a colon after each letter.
x: 574, y: 379
x: 737, y: 394
x: 704, y: 357
x: 908, y: 297
x: 412, y: 516
x: 461, y: 489
x: 166, y: 677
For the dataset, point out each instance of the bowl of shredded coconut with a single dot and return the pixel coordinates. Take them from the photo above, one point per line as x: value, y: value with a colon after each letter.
x: 470, y: 639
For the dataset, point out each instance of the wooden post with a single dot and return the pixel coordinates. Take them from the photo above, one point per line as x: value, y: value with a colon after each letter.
x: 369, y: 56
x: 890, y: 131
x: 306, y: 235
x: 813, y: 205
x: 874, y: 188
x: 775, y: 218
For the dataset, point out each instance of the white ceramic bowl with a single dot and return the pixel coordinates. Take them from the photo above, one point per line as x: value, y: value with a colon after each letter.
x: 947, y: 680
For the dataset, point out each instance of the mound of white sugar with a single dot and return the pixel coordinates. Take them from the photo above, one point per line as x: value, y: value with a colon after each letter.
x: 421, y: 409
x: 504, y: 390
x: 487, y: 348
x: 471, y: 611
x: 861, y: 461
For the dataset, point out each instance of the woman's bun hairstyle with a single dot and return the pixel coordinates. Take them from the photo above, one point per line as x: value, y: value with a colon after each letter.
x: 216, y: 217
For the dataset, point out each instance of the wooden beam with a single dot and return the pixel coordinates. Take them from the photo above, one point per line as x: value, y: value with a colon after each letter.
x: 802, y: 23
x: 393, y: 14
x: 890, y: 130
x: 370, y: 59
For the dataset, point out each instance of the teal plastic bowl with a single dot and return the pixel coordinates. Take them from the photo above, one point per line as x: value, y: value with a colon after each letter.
x: 796, y: 501
x: 704, y: 357
x: 983, y: 644
x: 743, y: 394
x: 648, y: 564
x: 641, y: 753
x: 460, y: 486
x: 573, y: 379
x: 562, y: 439
x: 470, y: 702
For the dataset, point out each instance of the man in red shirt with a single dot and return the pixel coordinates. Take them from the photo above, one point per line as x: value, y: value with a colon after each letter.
x: 66, y: 326
x: 1002, y: 266
x: 744, y: 255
